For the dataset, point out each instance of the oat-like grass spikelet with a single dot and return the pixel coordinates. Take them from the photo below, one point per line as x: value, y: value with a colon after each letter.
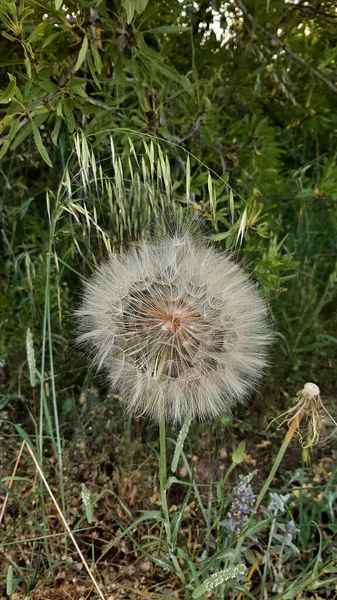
x: 178, y: 327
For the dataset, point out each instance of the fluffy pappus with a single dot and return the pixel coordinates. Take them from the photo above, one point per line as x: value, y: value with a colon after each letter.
x: 178, y: 327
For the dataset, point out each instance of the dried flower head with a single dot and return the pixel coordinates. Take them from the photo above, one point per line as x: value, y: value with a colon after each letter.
x: 179, y: 328
x: 309, y: 417
x: 243, y: 501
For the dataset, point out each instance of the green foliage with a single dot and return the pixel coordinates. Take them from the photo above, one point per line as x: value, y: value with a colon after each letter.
x: 118, y: 119
x: 241, y: 128
x: 246, y: 129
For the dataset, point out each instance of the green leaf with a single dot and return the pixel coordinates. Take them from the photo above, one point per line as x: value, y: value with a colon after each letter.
x: 141, y: 5
x: 11, y: 134
x: 93, y: 72
x: 97, y: 58
x: 69, y: 115
x: 58, y: 4
x: 39, y: 144
x: 176, y: 521
x: 331, y: 56
x: 50, y: 39
x: 239, y: 453
x: 6, y: 96
x: 77, y: 87
x: 257, y: 527
x: 28, y: 66
x: 82, y: 53
x: 133, y: 6
x: 154, y: 61
x: 4, y: 148
x: 4, y: 401
x: 188, y: 178
x: 11, y: 62
x: 56, y: 130
x: 8, y: 36
x: 9, y: 582
x: 59, y: 109
x: 174, y: 479
x: 129, y: 6
x: 21, y: 135
x: 40, y: 110
x: 25, y: 13
x: 38, y: 32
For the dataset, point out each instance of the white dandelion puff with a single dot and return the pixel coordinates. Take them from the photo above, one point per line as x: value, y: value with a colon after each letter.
x: 178, y: 327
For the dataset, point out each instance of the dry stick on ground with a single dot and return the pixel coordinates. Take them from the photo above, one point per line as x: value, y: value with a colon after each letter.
x: 65, y: 523
x: 11, y: 481
x: 285, y: 48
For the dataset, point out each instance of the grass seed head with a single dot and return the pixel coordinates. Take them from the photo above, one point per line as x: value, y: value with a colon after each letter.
x: 178, y: 327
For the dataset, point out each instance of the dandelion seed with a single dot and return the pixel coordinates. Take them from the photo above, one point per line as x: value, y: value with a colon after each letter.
x: 178, y: 327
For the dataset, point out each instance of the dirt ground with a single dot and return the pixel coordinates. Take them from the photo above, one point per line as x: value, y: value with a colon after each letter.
x: 122, y: 488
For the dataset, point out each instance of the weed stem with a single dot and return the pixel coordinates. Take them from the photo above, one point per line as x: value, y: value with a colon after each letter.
x: 163, y: 498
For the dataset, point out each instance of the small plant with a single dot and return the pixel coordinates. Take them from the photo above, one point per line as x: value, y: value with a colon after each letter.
x: 182, y: 334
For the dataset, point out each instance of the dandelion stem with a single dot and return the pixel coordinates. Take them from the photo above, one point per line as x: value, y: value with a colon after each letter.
x: 163, y: 471
x: 163, y: 498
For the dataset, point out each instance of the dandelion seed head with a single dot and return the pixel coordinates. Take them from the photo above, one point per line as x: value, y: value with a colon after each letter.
x: 320, y: 426
x: 178, y: 327
x: 311, y: 389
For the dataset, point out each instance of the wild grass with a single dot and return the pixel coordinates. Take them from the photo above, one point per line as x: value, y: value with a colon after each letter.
x: 109, y: 196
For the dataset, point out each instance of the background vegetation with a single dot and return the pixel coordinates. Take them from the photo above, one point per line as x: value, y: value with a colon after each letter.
x: 115, y: 118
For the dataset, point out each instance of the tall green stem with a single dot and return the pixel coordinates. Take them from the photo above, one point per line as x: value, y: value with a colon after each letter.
x: 163, y: 476
x: 287, y: 438
x: 286, y: 441
x: 163, y: 498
